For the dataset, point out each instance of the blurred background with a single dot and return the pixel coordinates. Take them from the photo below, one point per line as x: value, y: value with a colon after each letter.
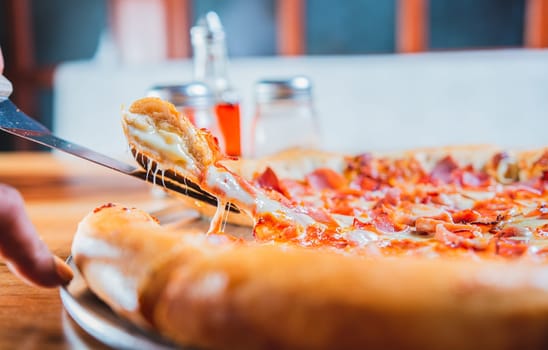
x: 400, y: 73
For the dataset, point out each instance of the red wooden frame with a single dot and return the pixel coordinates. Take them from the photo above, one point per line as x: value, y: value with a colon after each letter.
x: 412, y: 26
x: 21, y: 64
x: 536, y: 24
x: 178, y: 23
x: 290, y: 18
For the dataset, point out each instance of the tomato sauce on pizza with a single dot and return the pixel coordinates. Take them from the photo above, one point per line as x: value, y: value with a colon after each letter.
x: 382, y: 205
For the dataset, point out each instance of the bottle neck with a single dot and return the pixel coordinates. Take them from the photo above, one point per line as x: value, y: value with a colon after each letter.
x: 210, y: 65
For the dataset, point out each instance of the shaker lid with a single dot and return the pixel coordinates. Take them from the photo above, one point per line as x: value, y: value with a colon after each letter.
x: 294, y: 88
x: 194, y: 94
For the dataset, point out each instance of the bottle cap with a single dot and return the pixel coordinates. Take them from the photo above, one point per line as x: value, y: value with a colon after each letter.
x: 295, y: 88
x: 194, y: 94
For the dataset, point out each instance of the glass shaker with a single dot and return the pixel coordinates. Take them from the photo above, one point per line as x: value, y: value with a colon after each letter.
x: 284, y: 116
x: 196, y: 101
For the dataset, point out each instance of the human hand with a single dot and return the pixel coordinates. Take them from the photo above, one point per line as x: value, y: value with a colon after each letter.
x: 24, y: 252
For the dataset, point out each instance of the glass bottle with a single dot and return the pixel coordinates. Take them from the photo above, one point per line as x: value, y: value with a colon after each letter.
x: 284, y: 116
x: 210, y: 67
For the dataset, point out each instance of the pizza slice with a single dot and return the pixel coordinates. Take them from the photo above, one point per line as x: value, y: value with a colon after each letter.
x: 159, y: 135
x: 424, y: 249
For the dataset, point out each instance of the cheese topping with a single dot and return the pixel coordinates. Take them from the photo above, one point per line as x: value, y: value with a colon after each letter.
x: 224, y: 183
x: 168, y: 145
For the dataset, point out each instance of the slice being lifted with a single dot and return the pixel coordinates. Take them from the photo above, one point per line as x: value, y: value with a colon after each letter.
x: 417, y: 250
x: 158, y: 134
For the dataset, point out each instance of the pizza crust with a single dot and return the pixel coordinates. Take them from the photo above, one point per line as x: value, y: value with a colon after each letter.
x: 213, y: 292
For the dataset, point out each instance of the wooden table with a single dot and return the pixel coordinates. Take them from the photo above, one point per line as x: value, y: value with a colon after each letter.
x: 59, y: 191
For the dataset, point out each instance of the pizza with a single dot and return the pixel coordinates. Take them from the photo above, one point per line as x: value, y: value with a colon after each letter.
x: 422, y: 249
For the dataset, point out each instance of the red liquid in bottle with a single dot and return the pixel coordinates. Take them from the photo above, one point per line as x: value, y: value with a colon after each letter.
x: 189, y: 114
x: 228, y: 116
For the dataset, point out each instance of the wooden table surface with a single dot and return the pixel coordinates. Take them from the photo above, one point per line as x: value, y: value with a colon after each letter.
x: 58, y: 191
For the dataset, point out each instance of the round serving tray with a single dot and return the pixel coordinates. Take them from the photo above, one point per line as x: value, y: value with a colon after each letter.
x: 98, y: 320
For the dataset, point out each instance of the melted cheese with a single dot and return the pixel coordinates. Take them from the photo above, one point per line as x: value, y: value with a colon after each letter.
x: 362, y: 237
x: 216, y: 224
x: 224, y: 183
x: 529, y: 223
x: 169, y: 145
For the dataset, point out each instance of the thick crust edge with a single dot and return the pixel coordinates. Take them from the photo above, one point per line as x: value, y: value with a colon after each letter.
x: 211, y: 292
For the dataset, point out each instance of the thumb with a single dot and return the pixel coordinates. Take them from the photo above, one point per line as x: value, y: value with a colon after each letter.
x: 22, y: 249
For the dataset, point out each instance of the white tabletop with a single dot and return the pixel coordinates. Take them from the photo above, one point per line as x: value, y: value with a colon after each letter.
x: 363, y: 102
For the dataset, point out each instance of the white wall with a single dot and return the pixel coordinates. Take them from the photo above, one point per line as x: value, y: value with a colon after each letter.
x: 363, y: 102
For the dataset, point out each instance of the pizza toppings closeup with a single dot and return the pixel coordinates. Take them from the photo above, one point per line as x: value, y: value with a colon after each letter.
x: 395, y: 205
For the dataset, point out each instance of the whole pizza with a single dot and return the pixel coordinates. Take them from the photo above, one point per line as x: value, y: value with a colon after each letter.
x: 427, y: 249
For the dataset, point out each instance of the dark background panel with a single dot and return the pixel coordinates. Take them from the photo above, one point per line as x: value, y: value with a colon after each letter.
x: 458, y: 24
x: 350, y: 27
x: 250, y: 24
x: 67, y: 30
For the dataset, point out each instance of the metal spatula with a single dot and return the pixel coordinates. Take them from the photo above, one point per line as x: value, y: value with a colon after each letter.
x: 14, y: 121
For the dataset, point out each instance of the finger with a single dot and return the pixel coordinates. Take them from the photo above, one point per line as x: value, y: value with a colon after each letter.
x: 25, y: 253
